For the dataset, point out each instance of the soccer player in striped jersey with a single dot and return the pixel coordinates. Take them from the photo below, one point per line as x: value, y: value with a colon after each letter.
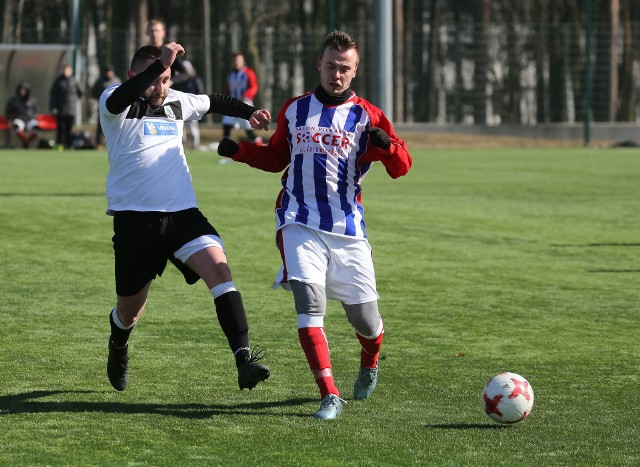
x: 327, y: 141
x: 242, y: 84
x: 155, y: 213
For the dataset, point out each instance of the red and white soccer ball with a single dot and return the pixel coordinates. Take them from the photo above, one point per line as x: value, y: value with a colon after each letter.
x: 507, y: 398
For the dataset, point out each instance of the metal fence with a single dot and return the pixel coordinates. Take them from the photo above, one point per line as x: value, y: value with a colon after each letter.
x: 511, y: 74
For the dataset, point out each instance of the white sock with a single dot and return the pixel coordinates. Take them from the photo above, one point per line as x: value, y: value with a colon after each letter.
x: 222, y: 289
x: 117, y: 322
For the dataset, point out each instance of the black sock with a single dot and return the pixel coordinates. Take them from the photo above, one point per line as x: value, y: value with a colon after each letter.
x: 119, y: 337
x: 233, y: 321
x: 251, y: 135
x: 226, y: 130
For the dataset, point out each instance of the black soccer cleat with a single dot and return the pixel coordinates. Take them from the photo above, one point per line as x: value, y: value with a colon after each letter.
x: 118, y: 366
x: 251, y: 373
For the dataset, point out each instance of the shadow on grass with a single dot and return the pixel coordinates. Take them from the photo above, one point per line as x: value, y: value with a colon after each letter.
x: 468, y: 426
x: 592, y: 245
x: 53, y: 195
x: 27, y: 403
x: 621, y: 271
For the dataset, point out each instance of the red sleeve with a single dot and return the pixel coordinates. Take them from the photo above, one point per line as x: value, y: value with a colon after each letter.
x: 396, y: 159
x: 275, y: 156
x: 252, y: 84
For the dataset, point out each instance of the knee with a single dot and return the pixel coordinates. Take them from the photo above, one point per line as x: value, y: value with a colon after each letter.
x: 365, y: 318
x: 309, y: 298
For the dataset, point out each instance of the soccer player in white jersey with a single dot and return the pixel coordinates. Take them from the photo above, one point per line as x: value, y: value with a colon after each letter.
x: 155, y: 214
x: 327, y: 140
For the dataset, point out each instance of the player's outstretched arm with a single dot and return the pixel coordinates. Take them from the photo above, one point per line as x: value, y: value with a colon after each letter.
x: 274, y: 157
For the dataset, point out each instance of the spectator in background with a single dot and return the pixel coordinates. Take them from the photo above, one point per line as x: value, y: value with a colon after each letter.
x: 64, y: 103
x: 157, y: 36
x: 21, y: 111
x: 106, y: 79
x: 241, y: 84
x: 156, y: 32
x: 192, y: 85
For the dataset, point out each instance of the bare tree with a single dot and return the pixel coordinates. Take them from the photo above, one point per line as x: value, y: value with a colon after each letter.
x: 398, y: 57
x: 433, y: 60
x: 605, y: 77
x: 627, y: 100
x: 482, y: 26
x: 251, y: 21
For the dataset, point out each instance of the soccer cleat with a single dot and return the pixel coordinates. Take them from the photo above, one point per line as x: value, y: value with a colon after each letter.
x: 251, y: 373
x: 330, y: 407
x: 118, y: 366
x: 365, y: 383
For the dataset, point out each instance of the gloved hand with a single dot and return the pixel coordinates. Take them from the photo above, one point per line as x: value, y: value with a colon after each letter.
x: 379, y: 137
x: 227, y: 147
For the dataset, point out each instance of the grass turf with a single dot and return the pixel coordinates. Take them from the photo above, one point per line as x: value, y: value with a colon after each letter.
x: 487, y: 260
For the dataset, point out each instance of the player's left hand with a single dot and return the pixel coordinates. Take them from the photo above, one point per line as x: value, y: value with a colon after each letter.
x: 260, y: 119
x: 227, y: 147
x: 169, y: 53
x: 379, y: 137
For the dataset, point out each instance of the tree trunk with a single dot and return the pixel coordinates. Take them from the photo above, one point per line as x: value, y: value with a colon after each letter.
x: 398, y: 58
x: 557, y: 79
x: 613, y: 60
x: 482, y: 25
x: 7, y: 26
x: 432, y: 63
x: 628, y: 90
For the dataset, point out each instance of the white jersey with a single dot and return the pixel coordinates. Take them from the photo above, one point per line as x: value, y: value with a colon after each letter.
x: 142, y: 137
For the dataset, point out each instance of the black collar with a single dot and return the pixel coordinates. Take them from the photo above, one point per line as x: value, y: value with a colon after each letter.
x: 328, y: 99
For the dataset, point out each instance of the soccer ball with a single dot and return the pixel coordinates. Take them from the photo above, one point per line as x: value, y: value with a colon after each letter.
x: 507, y: 398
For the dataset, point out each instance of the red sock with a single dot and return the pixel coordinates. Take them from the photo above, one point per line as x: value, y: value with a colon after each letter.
x: 316, y: 348
x: 370, y: 350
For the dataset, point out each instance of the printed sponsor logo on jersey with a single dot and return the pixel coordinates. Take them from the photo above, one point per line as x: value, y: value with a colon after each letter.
x: 314, y: 139
x: 152, y: 128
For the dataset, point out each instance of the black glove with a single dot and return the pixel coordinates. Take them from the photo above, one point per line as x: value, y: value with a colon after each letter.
x: 227, y: 147
x: 379, y: 137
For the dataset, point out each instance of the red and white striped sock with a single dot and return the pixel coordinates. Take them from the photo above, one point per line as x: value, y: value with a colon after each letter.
x: 316, y: 349
x: 370, y: 350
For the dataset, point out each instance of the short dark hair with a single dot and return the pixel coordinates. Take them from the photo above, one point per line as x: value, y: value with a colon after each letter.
x: 339, y: 40
x: 144, y: 53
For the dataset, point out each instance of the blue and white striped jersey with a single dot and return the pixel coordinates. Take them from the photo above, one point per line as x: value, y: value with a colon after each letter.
x: 327, y: 151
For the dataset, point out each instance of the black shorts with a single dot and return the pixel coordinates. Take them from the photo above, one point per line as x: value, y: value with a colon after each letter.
x: 144, y: 241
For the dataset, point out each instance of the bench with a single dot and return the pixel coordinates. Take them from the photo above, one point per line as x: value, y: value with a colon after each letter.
x: 46, y: 122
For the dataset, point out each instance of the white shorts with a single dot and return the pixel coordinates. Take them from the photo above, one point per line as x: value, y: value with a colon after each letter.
x: 20, y: 124
x: 342, y: 265
x: 236, y: 122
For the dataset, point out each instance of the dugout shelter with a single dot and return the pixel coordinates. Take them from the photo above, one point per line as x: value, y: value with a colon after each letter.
x: 38, y: 64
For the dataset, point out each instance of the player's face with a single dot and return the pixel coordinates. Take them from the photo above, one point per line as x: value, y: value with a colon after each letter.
x: 337, y: 69
x: 157, y: 92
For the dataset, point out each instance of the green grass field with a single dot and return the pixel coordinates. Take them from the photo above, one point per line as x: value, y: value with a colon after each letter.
x: 522, y: 260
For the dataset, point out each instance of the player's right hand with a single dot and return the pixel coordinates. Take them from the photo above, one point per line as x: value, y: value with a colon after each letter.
x: 227, y: 147
x: 169, y: 53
